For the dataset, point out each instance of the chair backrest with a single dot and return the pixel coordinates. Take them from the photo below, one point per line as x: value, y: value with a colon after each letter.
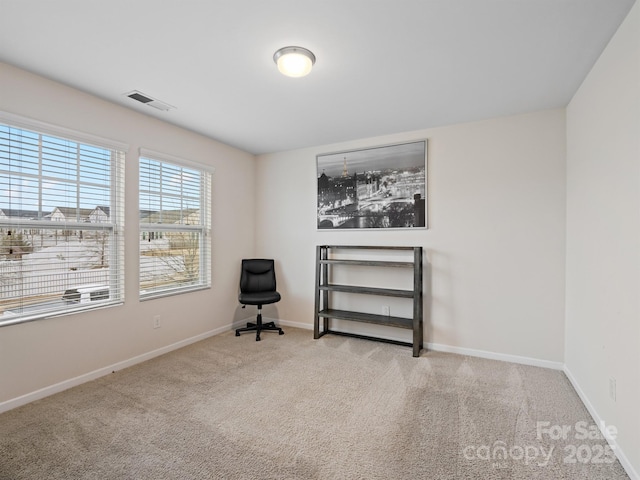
x: 258, y: 275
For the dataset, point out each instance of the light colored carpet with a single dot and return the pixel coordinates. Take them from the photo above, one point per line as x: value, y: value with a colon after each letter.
x: 290, y: 407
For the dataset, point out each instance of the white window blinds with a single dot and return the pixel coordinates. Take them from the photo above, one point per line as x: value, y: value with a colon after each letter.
x: 61, y: 220
x: 175, y: 243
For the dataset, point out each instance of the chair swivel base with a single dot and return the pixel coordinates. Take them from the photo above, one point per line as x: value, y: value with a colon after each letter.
x: 259, y: 327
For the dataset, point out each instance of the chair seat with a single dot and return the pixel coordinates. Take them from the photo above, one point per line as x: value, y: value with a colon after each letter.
x: 259, y: 298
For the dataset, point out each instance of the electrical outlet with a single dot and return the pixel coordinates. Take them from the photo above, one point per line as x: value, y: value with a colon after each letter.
x: 612, y: 389
x: 156, y: 321
x: 386, y: 310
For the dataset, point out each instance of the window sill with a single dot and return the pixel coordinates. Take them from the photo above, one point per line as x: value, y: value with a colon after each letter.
x: 171, y: 292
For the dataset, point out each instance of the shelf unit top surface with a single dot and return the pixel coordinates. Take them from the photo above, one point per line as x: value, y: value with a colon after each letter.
x: 369, y: 247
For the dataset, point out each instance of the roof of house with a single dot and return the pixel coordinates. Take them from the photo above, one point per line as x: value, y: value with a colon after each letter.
x: 70, y: 212
x: 20, y: 213
x: 104, y: 208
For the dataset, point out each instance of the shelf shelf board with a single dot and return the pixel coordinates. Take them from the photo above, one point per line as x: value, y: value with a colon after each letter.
x: 400, y: 322
x: 368, y: 263
x: 367, y: 337
x: 387, y: 292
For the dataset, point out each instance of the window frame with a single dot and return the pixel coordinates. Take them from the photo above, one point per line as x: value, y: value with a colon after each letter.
x: 203, y: 229
x: 114, y: 228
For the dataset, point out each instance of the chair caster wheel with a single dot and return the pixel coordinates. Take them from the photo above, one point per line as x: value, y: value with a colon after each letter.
x: 257, y: 339
x: 280, y: 332
x: 237, y: 334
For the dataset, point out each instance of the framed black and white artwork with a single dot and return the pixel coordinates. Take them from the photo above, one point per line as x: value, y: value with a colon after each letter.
x: 374, y: 188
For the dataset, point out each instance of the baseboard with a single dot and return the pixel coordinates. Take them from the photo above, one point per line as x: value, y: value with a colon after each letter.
x: 624, y: 461
x: 436, y: 347
x: 287, y: 323
x: 87, y: 377
x: 534, y: 362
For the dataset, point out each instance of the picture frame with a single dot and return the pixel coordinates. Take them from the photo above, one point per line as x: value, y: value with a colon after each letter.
x: 376, y: 188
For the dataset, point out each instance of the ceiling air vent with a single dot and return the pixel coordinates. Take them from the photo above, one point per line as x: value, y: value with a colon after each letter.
x: 147, y: 100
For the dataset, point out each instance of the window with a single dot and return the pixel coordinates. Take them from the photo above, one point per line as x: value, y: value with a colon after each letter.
x: 175, y: 243
x: 61, y: 200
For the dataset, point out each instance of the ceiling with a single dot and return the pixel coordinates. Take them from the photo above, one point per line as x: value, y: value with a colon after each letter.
x: 383, y: 66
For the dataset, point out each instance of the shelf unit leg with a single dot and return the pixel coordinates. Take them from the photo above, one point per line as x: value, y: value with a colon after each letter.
x: 316, y: 318
x: 417, y: 301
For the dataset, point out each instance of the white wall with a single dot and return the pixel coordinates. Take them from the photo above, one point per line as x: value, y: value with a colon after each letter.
x: 39, y: 354
x: 603, y: 237
x: 495, y: 244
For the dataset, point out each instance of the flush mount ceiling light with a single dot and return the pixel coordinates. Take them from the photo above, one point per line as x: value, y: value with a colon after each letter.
x: 294, y: 61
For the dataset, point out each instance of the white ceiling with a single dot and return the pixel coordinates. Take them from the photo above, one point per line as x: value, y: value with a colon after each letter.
x: 383, y: 66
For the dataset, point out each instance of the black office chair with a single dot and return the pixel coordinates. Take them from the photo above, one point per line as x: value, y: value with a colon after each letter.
x: 258, y: 287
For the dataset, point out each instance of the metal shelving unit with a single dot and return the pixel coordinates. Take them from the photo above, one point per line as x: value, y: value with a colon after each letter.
x: 323, y: 289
